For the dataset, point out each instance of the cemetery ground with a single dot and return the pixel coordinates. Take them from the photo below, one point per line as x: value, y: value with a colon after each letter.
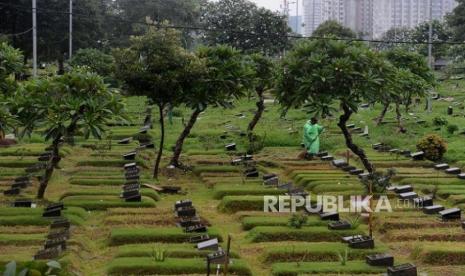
x: 109, y: 236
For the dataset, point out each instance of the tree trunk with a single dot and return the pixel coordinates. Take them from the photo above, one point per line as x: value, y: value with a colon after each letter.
x: 260, y: 108
x: 383, y: 114
x: 399, y: 118
x: 2, y: 134
x: 162, y: 142
x: 343, y: 119
x: 180, y: 142
x: 51, y: 165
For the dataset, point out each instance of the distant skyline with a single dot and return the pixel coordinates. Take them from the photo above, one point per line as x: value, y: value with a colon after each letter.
x: 275, y: 5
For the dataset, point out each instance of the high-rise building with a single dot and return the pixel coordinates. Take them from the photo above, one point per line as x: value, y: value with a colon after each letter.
x: 372, y: 18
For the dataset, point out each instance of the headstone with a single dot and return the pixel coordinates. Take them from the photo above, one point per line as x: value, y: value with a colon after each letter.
x: 129, y: 193
x: 364, y: 105
x: 406, y: 153
x: 183, y: 203
x: 231, y: 147
x: 130, y: 155
x: 364, y: 175
x: 144, y: 130
x: 402, y: 270
x: 356, y: 172
x: 132, y: 177
x: 189, y: 221
x: 339, y: 225
x: 327, y: 158
x: 12, y: 191
x: 334, y: 216
x: 58, y: 205
x: 433, y: 209
x: 461, y: 175
x: 394, y: 151
x: 208, y: 245
x: 124, y: 141
x: 60, y: 223
x: 271, y: 181
x: 441, y: 166
x: 453, y: 170
x: 423, y: 202
x: 251, y: 174
x: 132, y: 181
x: 287, y: 186
x: 60, y: 243
x: 321, y: 154
x: 131, y: 187
x: 218, y: 257
x: 357, y: 130
x: 450, y: 214
x: 148, y: 145
x: 186, y: 212
x: 339, y: 163
x: 268, y: 176
x: 60, y: 234
x: 350, y: 125
x: 450, y: 110
x: 25, y: 203
x: 377, y: 146
x: 349, y: 238
x: 131, y: 172
x: 418, y: 155
x: 199, y: 238
x: 380, y: 260
x: 237, y: 162
x: 130, y: 166
x: 364, y: 242
x: 408, y: 195
x: 348, y: 168
x: 170, y: 189
x: 134, y: 198
x: 403, y: 189
x: 197, y: 228
x: 48, y: 254
x: 52, y: 213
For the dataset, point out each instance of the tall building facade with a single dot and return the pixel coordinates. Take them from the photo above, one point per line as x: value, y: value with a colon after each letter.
x: 372, y: 18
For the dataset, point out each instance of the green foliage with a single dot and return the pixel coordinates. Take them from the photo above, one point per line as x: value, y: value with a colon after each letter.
x: 241, y: 24
x: 333, y: 28
x: 440, y: 121
x: 433, y: 146
x: 343, y: 257
x: 158, y: 255
x: 308, y: 234
x: 455, y: 21
x: 96, y: 61
x: 32, y: 269
x: 11, y: 62
x: 441, y: 32
x: 378, y: 181
x: 297, y: 220
x: 451, y: 129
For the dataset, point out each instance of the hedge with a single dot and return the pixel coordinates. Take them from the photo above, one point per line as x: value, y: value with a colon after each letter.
x: 310, y: 234
x: 352, y: 267
x: 237, y: 190
x: 144, y: 191
x: 122, y: 236
x: 171, y: 251
x: 21, y: 239
x: 443, y: 255
x: 170, y: 266
x: 231, y: 204
x: 105, y: 163
x: 105, y: 202
x: 251, y: 222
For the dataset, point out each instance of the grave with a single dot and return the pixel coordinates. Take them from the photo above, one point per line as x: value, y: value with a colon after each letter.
x: 348, y: 168
x: 58, y: 205
x: 199, y: 238
x: 134, y: 198
x: 321, y: 153
x: 60, y: 234
x: 60, y: 223
x: 147, y: 145
x: 357, y: 129
x: 144, y: 130
x: 252, y: 174
x: 25, y: 203
x: 60, y: 243
x: 339, y: 163
x: 377, y: 146
x: 423, y: 202
x: 236, y: 162
x: 129, y: 193
x: 130, y: 155
x: 208, y: 245
x: 287, y: 186
x: 48, y: 213
x: 433, y: 209
x: 350, y: 126
x: 170, y: 189
x: 406, y: 153
x: 408, y: 196
x: 182, y: 203
x: 363, y: 242
x: 334, y: 216
x: 48, y: 254
x: 269, y: 176
x: 131, y: 187
x: 441, y: 166
x: 186, y: 212
x: 327, y: 158
x: 124, y: 141
x: 130, y: 166
x: 132, y: 177
x: 402, y: 270
x: 356, y: 172
x: 339, y: 225
x: 403, y: 189
x: 231, y: 147
x: 380, y: 260
x: 271, y: 181
x: 418, y: 155
x: 453, y: 170
x: 461, y: 176
x: 218, y: 257
x: 12, y: 191
x: 349, y: 238
x: 189, y: 221
x: 131, y: 172
x: 132, y: 181
x: 364, y: 175
x: 197, y: 228
x: 394, y: 151
x: 450, y: 214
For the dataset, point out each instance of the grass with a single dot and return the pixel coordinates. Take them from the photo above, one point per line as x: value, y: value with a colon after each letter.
x: 21, y: 239
x: 300, y: 268
x: 232, y: 204
x: 105, y: 202
x: 144, y: 192
x: 238, y: 190
x: 309, y: 234
x: 251, y: 222
x: 171, y: 266
x: 122, y: 236
x: 171, y: 250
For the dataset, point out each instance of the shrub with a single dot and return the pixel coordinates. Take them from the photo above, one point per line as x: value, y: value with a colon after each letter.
x: 232, y: 204
x: 440, y: 121
x: 451, y: 129
x: 433, y: 146
x: 297, y: 220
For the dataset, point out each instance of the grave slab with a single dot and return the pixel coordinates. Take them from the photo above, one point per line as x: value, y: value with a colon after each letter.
x: 441, y: 166
x: 450, y: 214
x: 339, y: 225
x: 453, y: 170
x: 408, y: 196
x: 334, y: 216
x: 402, y: 270
x: 380, y: 260
x: 434, y: 209
x: 364, y: 242
x: 208, y: 245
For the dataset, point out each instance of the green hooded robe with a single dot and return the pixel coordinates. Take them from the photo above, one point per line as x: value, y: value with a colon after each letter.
x: 312, y: 137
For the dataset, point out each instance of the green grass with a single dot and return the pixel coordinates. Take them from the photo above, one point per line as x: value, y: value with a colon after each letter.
x: 122, y: 236
x: 251, y: 222
x: 144, y: 191
x: 241, y: 190
x: 171, y: 250
x: 232, y: 204
x: 21, y: 239
x: 309, y: 234
x: 105, y: 202
x: 216, y: 169
x: 170, y: 266
x: 352, y: 267
x: 105, y: 163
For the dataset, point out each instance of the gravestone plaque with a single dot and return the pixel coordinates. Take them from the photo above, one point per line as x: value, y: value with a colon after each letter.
x: 349, y: 238
x: 418, y: 155
x: 350, y: 125
x: 132, y: 177
x: 339, y: 225
x: 271, y: 181
x: 197, y: 228
x: 441, y: 166
x: 124, y: 141
x: 60, y: 234
x: 356, y: 172
x: 133, y: 198
x: 130, y: 193
x: 339, y: 163
x: 403, y: 189
x: 218, y: 257
x: 377, y: 146
x: 394, y: 151
x: 231, y: 147
x: 60, y: 223
x: 208, y: 245
x: 433, y: 209
x: 182, y: 203
x: 349, y: 168
x: 408, y: 196
x: 287, y: 186
x: 186, y: 212
x: 130, y: 166
x: 130, y: 155
x: 453, y: 170
x: 334, y: 216
x: 252, y: 174
x: 25, y: 203
x: 364, y: 175
x: 321, y: 154
x: 268, y: 176
x: 402, y: 270
x: 144, y: 130
x: 327, y: 158
x: 364, y: 242
x: 423, y: 202
x: 148, y: 145
x: 199, y: 238
x: 131, y: 187
x: 461, y: 176
x: 189, y: 221
x: 380, y: 260
x: 450, y: 214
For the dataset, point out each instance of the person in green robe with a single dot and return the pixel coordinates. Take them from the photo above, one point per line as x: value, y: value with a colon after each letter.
x: 312, y: 131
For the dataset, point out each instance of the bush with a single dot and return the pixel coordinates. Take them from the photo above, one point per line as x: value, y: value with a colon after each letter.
x: 440, y: 121
x: 232, y: 204
x: 451, y: 129
x: 297, y: 220
x: 433, y: 146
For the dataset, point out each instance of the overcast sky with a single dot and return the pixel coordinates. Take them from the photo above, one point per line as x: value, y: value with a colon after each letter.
x: 275, y: 5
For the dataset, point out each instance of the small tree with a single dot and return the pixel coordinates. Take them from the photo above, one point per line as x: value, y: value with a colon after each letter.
x: 62, y: 106
x: 320, y: 74
x: 263, y: 72
x: 333, y: 28
x: 97, y: 62
x: 224, y: 76
x: 155, y: 65
x: 433, y: 146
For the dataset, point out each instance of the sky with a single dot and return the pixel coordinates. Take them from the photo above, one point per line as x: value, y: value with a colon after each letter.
x: 275, y: 5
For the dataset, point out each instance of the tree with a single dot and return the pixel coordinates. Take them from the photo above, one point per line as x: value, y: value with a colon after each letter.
x: 155, y: 65
x: 263, y: 73
x: 333, y: 28
x: 96, y: 61
x: 456, y: 20
x: 396, y: 34
x: 413, y: 79
x: 244, y: 26
x: 320, y: 74
x: 11, y: 64
x: 223, y: 77
x: 441, y: 33
x: 76, y: 102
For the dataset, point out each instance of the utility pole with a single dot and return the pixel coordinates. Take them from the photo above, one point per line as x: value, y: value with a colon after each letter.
x: 34, y: 38
x: 70, y: 29
x: 297, y: 16
x: 430, y: 49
